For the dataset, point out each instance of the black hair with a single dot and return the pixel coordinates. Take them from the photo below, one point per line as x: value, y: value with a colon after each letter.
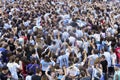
x: 103, y: 56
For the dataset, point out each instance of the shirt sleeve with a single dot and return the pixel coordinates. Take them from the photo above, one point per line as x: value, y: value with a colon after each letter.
x: 17, y: 66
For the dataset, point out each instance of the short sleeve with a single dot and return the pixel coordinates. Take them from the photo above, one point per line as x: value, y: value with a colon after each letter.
x: 17, y: 66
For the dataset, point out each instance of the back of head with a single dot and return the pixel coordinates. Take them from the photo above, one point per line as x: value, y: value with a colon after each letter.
x: 82, y: 73
x: 12, y: 58
x: 38, y: 70
x: 103, y: 56
x: 44, y: 77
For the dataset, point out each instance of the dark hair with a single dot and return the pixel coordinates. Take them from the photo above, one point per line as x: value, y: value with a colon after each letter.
x: 96, y: 51
x: 83, y: 73
x: 47, y: 58
x: 103, y: 56
x: 38, y: 70
x: 54, y: 42
x: 33, y: 51
x: 106, y: 49
x: 4, y: 67
x: 12, y: 58
x: 19, y: 49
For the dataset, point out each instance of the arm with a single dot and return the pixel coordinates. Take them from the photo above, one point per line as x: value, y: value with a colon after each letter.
x: 19, y: 66
x: 58, y: 35
x: 100, y: 70
x: 87, y: 73
x: 46, y: 72
x: 63, y: 78
x: 85, y: 56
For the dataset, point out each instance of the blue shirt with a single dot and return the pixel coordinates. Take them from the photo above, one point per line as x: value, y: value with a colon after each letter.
x: 32, y: 67
x: 4, y: 54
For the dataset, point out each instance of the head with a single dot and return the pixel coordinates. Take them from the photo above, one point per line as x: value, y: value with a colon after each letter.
x: 102, y: 57
x: 12, y: 59
x: 4, y: 69
x: 53, y: 74
x: 38, y: 71
x: 83, y: 73
x: 47, y: 59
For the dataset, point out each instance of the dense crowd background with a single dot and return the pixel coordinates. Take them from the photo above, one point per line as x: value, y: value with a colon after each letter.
x: 60, y: 39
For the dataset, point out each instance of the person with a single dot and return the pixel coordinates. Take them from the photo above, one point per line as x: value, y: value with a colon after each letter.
x: 114, y: 61
x: 52, y: 75
x: 104, y: 64
x: 62, y: 59
x: 29, y: 76
x: 97, y: 70
x: 85, y: 75
x: 14, y: 67
x: 5, y: 73
x: 38, y: 74
x: 33, y: 65
x: 116, y: 75
x: 4, y: 52
x: 93, y: 56
x: 45, y: 63
x: 88, y: 25
x: 117, y: 51
x: 108, y: 58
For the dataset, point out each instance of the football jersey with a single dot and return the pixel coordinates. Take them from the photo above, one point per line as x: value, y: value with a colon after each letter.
x: 62, y: 60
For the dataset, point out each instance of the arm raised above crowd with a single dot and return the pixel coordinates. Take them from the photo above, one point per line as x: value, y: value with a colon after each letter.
x: 65, y: 73
x: 46, y: 72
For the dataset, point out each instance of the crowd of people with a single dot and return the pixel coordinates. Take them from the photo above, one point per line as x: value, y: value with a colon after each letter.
x: 59, y: 39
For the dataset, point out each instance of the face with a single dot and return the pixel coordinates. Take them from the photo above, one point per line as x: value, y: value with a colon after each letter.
x: 6, y: 71
x: 61, y: 72
x: 40, y: 73
x: 53, y: 74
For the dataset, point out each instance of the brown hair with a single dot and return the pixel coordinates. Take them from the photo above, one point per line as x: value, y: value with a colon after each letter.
x: 12, y: 59
x: 44, y: 77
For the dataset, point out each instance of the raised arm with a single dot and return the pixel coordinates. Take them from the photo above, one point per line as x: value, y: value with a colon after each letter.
x: 65, y: 71
x: 46, y: 72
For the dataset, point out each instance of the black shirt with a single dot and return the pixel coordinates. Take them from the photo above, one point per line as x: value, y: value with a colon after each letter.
x: 104, y: 66
x: 36, y: 77
x: 4, y: 76
x: 12, y: 46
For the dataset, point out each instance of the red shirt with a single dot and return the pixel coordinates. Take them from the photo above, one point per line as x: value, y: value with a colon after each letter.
x: 117, y: 51
x: 25, y: 38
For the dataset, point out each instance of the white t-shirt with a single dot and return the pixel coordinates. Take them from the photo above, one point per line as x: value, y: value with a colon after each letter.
x: 7, y: 26
x: 113, y: 57
x: 93, y: 57
x: 108, y: 58
x: 95, y: 71
x: 55, y: 32
x: 13, y: 69
x: 97, y: 37
x: 65, y: 35
x: 79, y: 33
x: 79, y: 43
x: 73, y: 71
x: 28, y: 77
x: 72, y: 40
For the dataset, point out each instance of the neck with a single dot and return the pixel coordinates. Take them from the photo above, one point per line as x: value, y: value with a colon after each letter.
x: 38, y: 74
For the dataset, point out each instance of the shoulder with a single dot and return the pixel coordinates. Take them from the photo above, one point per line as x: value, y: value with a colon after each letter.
x: 42, y: 61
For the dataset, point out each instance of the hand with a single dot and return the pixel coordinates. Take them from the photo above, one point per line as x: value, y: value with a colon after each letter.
x: 64, y: 67
x: 49, y: 66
